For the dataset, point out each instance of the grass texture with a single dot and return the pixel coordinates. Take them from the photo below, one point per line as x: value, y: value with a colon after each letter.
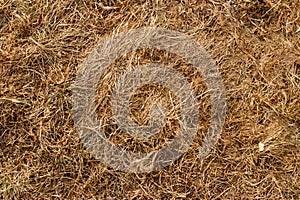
x: 256, y: 46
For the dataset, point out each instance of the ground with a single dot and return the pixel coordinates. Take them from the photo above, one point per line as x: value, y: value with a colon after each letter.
x: 256, y: 47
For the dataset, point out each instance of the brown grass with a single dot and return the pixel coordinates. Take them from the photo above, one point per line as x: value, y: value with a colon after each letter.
x: 256, y: 46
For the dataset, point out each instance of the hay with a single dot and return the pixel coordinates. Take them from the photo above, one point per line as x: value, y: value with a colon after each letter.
x: 256, y: 46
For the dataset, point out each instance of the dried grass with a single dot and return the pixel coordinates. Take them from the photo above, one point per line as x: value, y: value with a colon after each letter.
x: 256, y: 47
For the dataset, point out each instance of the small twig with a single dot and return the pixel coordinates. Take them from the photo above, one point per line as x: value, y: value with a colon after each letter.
x: 13, y: 100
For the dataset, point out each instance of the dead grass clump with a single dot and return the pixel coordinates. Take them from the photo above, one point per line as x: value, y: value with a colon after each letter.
x: 143, y: 98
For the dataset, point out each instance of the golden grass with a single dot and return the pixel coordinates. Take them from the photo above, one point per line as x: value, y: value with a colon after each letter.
x: 256, y: 46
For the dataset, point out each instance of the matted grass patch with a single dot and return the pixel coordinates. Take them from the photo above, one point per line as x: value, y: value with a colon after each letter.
x: 256, y: 46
